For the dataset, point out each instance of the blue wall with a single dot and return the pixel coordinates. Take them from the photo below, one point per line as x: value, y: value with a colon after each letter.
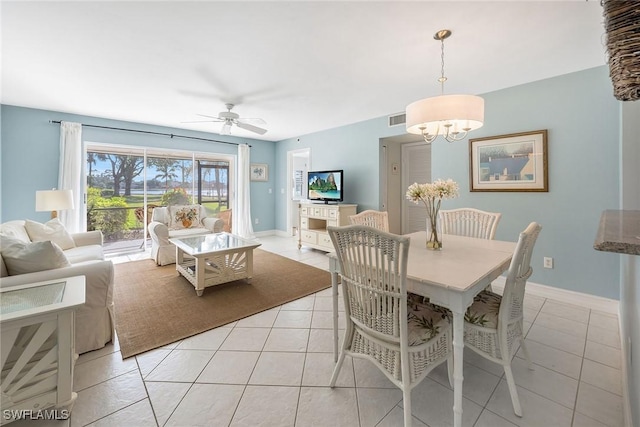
x: 583, y: 121
x: 578, y: 109
x: 31, y: 148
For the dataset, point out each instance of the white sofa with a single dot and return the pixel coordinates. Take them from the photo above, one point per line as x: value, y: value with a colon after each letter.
x: 162, y: 228
x: 94, y: 319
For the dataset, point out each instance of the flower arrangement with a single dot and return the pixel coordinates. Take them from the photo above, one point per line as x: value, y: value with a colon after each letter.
x: 431, y: 194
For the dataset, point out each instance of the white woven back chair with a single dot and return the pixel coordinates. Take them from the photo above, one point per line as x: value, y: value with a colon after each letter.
x: 493, y: 323
x: 404, y: 342
x: 470, y: 222
x: 371, y: 218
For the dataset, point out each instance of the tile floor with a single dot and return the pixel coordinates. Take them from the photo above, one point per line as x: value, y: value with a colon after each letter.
x: 273, y: 369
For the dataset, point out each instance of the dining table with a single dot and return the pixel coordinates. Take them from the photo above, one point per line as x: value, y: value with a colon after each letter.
x: 450, y: 277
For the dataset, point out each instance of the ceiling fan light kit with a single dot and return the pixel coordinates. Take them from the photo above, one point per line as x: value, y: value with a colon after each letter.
x: 451, y: 116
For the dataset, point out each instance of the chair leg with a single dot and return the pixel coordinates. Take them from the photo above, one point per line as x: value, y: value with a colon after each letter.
x: 526, y: 354
x: 406, y: 402
x: 512, y: 390
x: 336, y: 370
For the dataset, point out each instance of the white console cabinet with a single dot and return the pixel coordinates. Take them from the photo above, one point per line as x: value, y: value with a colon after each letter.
x: 38, y: 350
x: 314, y: 220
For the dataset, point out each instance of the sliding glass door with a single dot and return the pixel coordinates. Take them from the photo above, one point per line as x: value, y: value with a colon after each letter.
x: 125, y: 184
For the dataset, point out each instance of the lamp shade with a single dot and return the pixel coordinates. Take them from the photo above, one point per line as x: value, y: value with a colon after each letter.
x: 430, y: 115
x: 54, y: 200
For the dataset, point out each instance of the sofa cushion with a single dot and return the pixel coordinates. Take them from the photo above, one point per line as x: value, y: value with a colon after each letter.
x: 84, y: 253
x: 184, y: 216
x: 3, y: 268
x: 160, y: 214
x: 21, y: 257
x: 15, y: 229
x: 52, y: 230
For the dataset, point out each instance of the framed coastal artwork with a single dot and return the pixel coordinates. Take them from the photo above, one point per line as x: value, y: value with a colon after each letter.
x: 514, y: 162
x: 259, y: 172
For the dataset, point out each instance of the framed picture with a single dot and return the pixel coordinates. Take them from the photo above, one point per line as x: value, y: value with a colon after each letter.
x: 259, y: 172
x: 514, y: 162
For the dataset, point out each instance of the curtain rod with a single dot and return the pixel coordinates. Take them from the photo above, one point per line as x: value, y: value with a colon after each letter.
x: 171, y: 135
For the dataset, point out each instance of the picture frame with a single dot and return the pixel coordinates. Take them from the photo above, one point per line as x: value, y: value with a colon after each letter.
x: 259, y: 172
x: 513, y: 162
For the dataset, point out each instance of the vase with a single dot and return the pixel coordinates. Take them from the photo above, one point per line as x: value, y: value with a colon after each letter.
x: 434, y: 233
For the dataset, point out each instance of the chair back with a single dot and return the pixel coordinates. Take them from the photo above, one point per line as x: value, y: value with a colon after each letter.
x: 373, y: 268
x: 470, y: 222
x: 519, y: 271
x: 371, y: 218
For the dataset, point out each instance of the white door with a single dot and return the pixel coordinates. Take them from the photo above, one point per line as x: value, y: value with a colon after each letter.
x: 298, y: 165
x: 416, y: 167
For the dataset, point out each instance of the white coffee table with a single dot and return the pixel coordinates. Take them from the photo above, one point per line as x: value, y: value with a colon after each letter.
x: 214, y: 259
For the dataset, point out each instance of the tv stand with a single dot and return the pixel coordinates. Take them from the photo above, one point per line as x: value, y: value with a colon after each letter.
x: 314, y: 220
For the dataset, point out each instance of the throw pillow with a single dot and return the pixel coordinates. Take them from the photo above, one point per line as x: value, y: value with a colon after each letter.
x: 184, y: 216
x: 21, y: 257
x: 52, y: 230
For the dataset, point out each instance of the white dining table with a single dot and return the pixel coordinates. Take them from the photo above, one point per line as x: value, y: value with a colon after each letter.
x: 451, y: 278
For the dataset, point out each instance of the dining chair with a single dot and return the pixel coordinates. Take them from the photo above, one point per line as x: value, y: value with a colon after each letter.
x: 469, y: 222
x: 404, y: 341
x: 493, y: 323
x: 372, y: 218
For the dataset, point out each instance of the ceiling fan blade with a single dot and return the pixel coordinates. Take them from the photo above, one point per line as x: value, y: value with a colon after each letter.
x: 210, y: 117
x: 226, y: 129
x: 251, y: 128
x: 202, y: 121
x: 257, y: 120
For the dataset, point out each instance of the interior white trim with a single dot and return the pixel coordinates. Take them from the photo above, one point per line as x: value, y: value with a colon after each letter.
x: 592, y: 302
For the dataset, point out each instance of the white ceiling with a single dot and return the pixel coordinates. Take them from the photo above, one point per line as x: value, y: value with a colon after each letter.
x: 301, y: 66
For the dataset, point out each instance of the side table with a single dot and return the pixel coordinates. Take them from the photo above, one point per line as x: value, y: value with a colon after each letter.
x: 37, y: 324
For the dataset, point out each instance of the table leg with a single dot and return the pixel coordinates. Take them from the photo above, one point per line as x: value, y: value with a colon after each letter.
x: 334, y: 293
x: 458, y: 351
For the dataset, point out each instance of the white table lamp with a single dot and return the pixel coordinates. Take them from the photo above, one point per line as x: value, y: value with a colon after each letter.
x: 54, y: 200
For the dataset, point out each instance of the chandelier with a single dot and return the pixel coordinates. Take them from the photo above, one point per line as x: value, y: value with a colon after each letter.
x: 451, y: 116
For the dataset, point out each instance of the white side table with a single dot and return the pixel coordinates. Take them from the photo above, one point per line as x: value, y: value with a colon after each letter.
x: 38, y: 352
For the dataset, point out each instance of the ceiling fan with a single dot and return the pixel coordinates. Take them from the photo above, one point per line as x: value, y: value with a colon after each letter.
x: 230, y: 119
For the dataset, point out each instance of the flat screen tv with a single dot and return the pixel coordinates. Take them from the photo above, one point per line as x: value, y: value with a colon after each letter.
x: 325, y: 186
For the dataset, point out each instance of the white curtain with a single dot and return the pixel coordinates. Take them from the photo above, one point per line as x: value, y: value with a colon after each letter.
x: 242, y: 225
x: 70, y: 175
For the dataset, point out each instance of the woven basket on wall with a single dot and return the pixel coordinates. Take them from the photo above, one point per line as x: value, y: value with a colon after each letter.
x: 622, y: 24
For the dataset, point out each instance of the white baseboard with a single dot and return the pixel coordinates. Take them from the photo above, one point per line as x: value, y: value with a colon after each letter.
x: 592, y: 302
x: 268, y: 233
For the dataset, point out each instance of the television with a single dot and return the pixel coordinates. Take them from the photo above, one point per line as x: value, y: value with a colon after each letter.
x: 325, y: 186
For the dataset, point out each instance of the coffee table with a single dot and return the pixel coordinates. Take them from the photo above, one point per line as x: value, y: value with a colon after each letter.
x: 213, y: 259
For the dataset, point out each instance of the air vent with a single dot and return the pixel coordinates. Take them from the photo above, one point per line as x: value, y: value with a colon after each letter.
x: 397, y: 119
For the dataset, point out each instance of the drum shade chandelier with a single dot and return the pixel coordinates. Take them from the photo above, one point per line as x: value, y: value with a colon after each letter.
x: 451, y: 116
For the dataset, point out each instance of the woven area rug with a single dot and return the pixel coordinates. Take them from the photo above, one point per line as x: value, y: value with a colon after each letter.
x: 154, y: 306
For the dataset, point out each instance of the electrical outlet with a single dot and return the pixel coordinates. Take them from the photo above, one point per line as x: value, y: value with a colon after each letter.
x: 257, y: 221
x: 548, y: 262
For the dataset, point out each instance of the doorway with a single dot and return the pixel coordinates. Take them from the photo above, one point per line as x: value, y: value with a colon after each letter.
x: 404, y: 159
x: 298, y: 164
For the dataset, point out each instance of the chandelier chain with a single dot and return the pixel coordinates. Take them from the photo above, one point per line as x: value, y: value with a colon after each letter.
x: 442, y: 78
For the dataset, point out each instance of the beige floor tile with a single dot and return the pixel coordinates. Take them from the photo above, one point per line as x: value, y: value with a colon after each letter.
x: 604, y: 354
x: 267, y: 406
x: 432, y: 403
x: 149, y: 360
x: 478, y: 384
x: 489, y: 419
x: 551, y: 358
x: 181, y: 366
x: 536, y: 410
x: 107, y: 397
x: 556, y: 339
x: 604, y: 336
x: 287, y: 340
x: 602, y: 376
x: 141, y: 412
x: 229, y: 367
x: 567, y: 311
x: 561, y: 324
x: 324, y: 406
x: 374, y: 404
x: 101, y: 369
x: 545, y: 382
x: 165, y: 397
x: 600, y: 405
x: 305, y: 303
x: 245, y: 339
x: 275, y: 368
x: 293, y: 319
x: 395, y: 418
x: 264, y: 319
x: 208, y: 340
x: 210, y: 405
x: 319, y: 367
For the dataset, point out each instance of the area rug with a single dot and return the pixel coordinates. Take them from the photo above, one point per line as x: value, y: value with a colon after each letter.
x: 154, y: 306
